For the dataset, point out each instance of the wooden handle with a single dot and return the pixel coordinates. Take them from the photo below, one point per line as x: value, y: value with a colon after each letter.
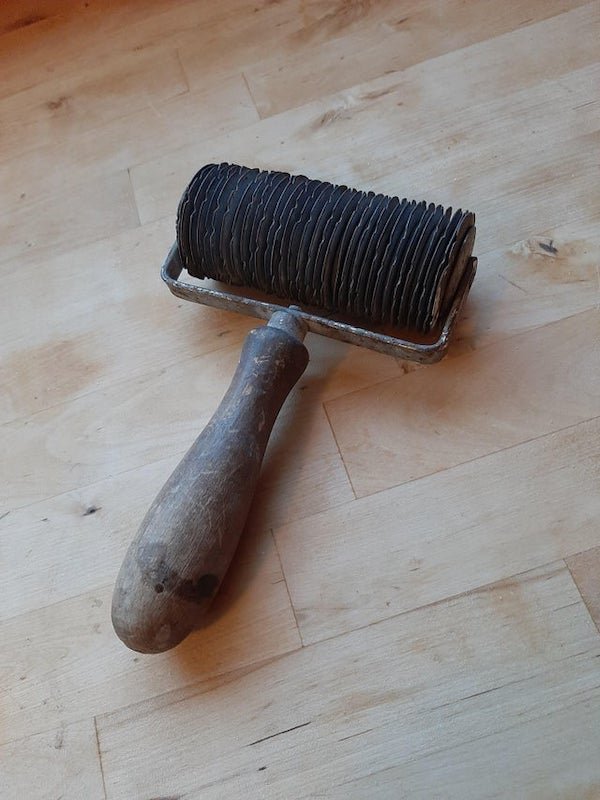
x: 182, y: 550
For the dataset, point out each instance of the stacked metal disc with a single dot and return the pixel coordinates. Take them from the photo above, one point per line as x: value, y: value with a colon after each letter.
x: 353, y: 252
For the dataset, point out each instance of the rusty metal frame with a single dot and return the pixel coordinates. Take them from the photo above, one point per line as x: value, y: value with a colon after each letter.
x: 422, y: 352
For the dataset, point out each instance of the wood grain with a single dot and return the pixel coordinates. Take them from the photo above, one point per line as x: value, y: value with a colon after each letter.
x: 527, y: 284
x: 381, y: 38
x: 77, y: 443
x: 64, y: 40
x: 84, y: 214
x: 80, y: 538
x: 424, y: 640
x: 64, y: 663
x: 585, y: 571
x: 483, y: 401
x: 117, y: 307
x: 126, y: 140
x: 477, y: 674
x: 444, y: 534
x: 59, y: 763
x: 65, y: 109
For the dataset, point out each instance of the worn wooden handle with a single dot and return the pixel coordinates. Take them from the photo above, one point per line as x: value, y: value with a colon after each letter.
x: 184, y: 545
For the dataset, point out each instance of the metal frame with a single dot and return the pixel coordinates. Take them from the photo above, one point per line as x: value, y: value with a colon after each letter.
x: 424, y: 353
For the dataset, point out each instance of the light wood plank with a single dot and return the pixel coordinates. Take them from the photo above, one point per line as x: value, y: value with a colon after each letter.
x: 77, y: 540
x: 466, y: 407
x: 135, y: 422
x: 62, y: 763
x: 364, y: 41
x: 236, y: 38
x: 444, y: 534
x: 15, y: 17
x: 63, y: 109
x: 18, y: 17
x: 83, y: 214
x: 536, y: 281
x: 447, y: 145
x: 76, y: 443
x: 83, y: 36
x: 585, y: 571
x: 552, y: 759
x: 507, y: 662
x: 59, y: 39
x: 50, y: 169
x: 115, y: 321
x: 63, y: 662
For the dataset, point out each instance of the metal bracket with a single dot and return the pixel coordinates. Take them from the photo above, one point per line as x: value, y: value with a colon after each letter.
x: 422, y: 352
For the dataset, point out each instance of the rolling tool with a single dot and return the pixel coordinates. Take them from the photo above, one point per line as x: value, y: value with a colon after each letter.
x: 372, y: 270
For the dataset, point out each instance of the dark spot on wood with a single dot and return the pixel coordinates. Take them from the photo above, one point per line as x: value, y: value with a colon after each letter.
x: 353, y: 735
x: 18, y: 24
x: 401, y: 21
x: 327, y: 118
x: 583, y: 105
x: 376, y: 93
x: 167, y: 797
x: 159, y: 588
x: 512, y: 283
x: 53, y: 105
x: 59, y: 740
x: 222, y: 333
x: 331, y: 116
x: 280, y: 733
x: 260, y: 769
x: 549, y: 247
x: 91, y: 510
x: 6, y: 513
x: 44, y: 519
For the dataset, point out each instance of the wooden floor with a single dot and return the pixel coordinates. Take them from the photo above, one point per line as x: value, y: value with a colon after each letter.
x: 413, y: 611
